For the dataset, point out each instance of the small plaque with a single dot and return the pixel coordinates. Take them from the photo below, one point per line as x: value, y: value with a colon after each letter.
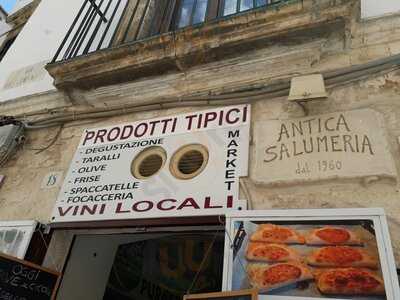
x: 52, y: 180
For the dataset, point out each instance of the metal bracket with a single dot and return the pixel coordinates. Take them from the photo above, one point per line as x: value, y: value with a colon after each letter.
x: 45, y: 228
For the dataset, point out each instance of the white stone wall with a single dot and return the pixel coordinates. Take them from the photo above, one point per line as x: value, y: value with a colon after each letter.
x: 374, y: 8
x: 35, y: 46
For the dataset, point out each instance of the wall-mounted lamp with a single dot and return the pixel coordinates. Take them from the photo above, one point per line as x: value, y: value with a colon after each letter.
x: 307, y: 88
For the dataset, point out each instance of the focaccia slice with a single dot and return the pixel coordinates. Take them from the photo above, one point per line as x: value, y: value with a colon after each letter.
x: 333, y: 236
x: 271, y: 233
x: 270, y: 252
x: 268, y: 277
x: 350, y: 281
x: 342, y: 256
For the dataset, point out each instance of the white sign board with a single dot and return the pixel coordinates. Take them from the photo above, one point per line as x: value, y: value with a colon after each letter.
x: 311, y: 254
x: 101, y: 183
x: 338, y: 145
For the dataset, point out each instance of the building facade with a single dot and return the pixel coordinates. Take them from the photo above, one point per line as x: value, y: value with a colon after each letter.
x: 80, y: 66
x: 4, y: 27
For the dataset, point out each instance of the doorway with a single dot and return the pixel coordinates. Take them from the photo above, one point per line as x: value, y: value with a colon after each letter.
x: 144, y: 266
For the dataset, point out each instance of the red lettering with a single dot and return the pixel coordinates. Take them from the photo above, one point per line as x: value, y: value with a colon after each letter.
x: 228, y: 115
x: 229, y: 202
x: 161, y: 207
x: 89, y: 136
x: 137, y: 133
x: 174, y: 125
x: 166, y: 121
x: 221, y: 118
x: 62, y: 212
x: 136, y: 208
x: 90, y: 211
x: 126, y: 132
x: 199, y: 121
x: 114, y: 131
x: 190, y: 118
x: 211, y: 116
x: 119, y: 210
x: 100, y: 135
x: 189, y: 202
x: 207, y: 203
x: 153, y: 126
x: 75, y: 210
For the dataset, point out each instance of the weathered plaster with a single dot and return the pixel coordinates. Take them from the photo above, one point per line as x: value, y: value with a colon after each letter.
x: 360, y: 42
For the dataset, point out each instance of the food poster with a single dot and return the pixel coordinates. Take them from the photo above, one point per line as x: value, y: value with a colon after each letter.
x: 308, y: 259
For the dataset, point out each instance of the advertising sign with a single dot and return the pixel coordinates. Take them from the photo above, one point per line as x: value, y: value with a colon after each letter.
x: 311, y: 254
x: 347, y: 144
x: 23, y: 280
x: 188, y: 164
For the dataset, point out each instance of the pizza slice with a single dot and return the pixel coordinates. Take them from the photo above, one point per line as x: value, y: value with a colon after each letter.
x: 270, y: 252
x: 350, y: 281
x: 268, y: 277
x: 271, y: 233
x: 332, y: 236
x: 342, y: 256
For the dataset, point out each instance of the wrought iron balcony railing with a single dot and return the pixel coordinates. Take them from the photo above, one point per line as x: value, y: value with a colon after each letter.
x: 102, y: 24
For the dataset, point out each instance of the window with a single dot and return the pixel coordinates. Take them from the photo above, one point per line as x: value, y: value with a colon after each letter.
x: 15, y: 237
x: 234, y: 6
x: 192, y: 12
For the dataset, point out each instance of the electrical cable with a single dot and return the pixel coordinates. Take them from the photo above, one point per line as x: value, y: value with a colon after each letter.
x: 246, y: 94
x: 52, y: 142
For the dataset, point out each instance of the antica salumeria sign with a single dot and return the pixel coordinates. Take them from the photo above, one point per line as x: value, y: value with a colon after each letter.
x: 344, y: 145
x: 100, y: 185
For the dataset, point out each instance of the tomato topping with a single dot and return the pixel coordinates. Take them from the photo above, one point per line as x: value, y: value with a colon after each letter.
x: 339, y: 255
x: 281, y: 273
x: 354, y: 279
x: 277, y: 233
x: 333, y: 235
x: 271, y: 252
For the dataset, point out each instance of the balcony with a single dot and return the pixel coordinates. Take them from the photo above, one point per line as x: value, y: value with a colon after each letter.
x: 111, y: 41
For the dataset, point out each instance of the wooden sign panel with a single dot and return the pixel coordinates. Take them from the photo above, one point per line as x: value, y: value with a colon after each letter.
x: 22, y: 280
x: 234, y: 295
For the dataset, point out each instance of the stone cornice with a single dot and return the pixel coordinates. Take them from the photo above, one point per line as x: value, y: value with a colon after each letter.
x: 198, y: 45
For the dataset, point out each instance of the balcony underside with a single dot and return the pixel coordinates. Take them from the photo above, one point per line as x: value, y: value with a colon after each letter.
x: 293, y: 23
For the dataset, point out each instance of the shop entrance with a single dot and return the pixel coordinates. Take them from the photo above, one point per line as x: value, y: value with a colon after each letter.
x: 144, y: 266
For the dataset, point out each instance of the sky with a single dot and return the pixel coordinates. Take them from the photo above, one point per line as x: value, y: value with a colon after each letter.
x: 7, y: 4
